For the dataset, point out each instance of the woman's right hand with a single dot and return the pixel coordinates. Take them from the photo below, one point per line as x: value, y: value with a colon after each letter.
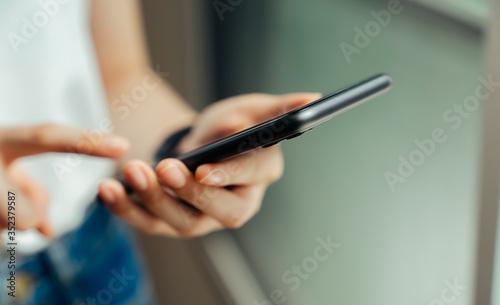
x: 31, y: 199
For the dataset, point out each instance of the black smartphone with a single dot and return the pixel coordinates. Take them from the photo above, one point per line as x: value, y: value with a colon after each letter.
x: 288, y: 125
x: 284, y: 127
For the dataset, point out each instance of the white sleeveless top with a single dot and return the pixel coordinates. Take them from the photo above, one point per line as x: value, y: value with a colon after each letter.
x: 49, y: 74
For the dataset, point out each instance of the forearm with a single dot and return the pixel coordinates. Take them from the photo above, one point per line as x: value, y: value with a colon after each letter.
x: 146, y: 109
x: 143, y: 107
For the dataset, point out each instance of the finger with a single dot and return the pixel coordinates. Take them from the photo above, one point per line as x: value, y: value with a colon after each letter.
x: 246, y: 111
x: 293, y: 101
x: 199, y: 136
x: 35, y: 193
x: 262, y: 166
x: 27, y: 215
x: 227, y: 127
x: 113, y: 194
x: 253, y: 193
x: 25, y: 141
x: 265, y: 109
x: 46, y: 228
x: 227, y: 207
x: 143, y: 181
x: 32, y: 190
x: 151, y: 193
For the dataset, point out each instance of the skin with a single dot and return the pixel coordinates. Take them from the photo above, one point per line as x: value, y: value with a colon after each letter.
x: 228, y: 193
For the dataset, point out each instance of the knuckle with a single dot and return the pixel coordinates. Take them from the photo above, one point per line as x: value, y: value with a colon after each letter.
x: 201, y: 202
x: 236, y: 219
x: 199, y: 196
x: 234, y: 167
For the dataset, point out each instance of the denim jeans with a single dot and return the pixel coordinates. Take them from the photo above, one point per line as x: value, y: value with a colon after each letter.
x: 99, y: 263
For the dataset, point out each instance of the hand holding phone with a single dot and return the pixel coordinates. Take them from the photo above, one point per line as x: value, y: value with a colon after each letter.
x: 231, y: 202
x: 288, y: 125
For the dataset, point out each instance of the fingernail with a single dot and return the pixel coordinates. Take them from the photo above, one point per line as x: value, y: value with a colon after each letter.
x: 140, y: 181
x: 215, y: 177
x: 46, y: 229
x: 115, y: 142
x: 107, y: 195
x: 174, y: 176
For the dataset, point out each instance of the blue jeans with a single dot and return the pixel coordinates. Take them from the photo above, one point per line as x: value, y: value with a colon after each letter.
x: 99, y: 263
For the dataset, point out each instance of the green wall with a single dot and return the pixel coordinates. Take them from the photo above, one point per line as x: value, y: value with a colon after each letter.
x: 396, y: 247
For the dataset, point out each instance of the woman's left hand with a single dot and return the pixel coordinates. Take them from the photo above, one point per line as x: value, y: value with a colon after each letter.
x: 228, y: 193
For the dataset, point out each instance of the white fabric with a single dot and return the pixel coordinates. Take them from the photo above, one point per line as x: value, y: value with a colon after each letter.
x: 49, y: 74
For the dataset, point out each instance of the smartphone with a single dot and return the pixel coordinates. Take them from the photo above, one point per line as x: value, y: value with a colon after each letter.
x: 284, y: 127
x: 288, y: 125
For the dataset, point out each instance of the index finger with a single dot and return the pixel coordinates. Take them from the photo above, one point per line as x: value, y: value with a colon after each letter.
x: 25, y: 141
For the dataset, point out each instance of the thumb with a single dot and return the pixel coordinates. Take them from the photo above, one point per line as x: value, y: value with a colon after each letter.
x: 292, y: 101
x: 285, y: 103
x: 25, y: 141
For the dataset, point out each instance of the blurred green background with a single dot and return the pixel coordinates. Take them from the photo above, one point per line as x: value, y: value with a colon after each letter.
x: 396, y: 247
